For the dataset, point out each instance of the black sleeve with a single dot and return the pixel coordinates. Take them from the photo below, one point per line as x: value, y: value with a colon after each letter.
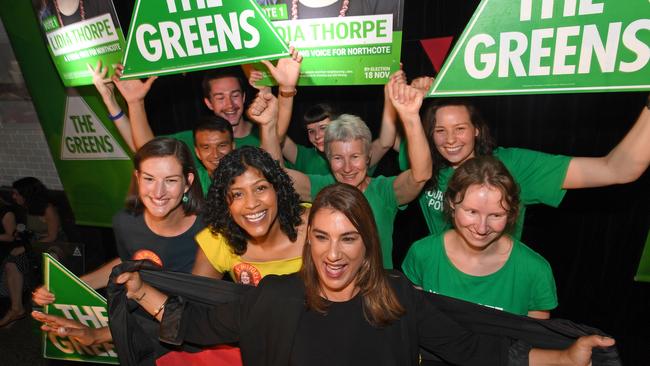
x: 205, y: 325
x: 452, y: 342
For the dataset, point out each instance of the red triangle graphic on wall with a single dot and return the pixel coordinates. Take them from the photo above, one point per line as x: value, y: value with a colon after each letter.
x: 437, y: 49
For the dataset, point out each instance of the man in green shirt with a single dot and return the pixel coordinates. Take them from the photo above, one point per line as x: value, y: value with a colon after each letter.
x: 211, y: 138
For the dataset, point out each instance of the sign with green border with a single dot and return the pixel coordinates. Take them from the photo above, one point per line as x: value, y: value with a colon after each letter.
x: 77, y: 301
x: 360, y: 48
x: 174, y: 36
x: 542, y: 46
x: 80, y: 35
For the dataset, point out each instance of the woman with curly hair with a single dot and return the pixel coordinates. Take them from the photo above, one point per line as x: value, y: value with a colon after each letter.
x: 254, y: 217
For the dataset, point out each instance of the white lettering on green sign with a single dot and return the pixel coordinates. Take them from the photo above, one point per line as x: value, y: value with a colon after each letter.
x: 91, y: 316
x: 320, y: 32
x: 84, y: 135
x: 196, y: 36
x: 549, y: 48
x: 81, y: 35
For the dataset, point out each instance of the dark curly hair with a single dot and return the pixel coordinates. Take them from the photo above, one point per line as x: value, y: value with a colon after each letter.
x: 483, y: 145
x: 35, y: 194
x: 217, y: 213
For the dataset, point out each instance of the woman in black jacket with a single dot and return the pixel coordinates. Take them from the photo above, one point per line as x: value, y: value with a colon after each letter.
x: 342, y: 308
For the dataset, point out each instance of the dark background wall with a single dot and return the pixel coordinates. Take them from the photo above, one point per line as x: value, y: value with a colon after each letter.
x: 593, y: 240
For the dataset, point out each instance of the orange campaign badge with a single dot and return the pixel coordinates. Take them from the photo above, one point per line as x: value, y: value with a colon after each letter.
x: 147, y: 254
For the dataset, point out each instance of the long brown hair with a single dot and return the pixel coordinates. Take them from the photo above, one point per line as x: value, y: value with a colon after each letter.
x: 161, y: 147
x: 483, y: 145
x: 380, y: 304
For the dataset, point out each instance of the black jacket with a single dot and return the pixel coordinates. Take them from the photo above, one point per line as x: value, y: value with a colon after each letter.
x: 264, y: 320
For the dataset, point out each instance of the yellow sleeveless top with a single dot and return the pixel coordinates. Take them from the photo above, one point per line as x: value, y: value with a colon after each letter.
x: 223, y: 259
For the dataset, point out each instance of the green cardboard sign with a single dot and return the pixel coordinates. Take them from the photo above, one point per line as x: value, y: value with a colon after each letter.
x: 173, y: 36
x: 546, y: 46
x: 363, y: 47
x: 77, y: 301
x: 80, y: 35
x: 96, y: 188
x: 643, y: 272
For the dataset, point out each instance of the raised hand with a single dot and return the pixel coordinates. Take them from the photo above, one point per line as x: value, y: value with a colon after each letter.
x: 287, y: 71
x: 254, y: 77
x: 406, y: 99
x: 133, y: 90
x: 103, y: 84
x: 264, y: 109
x: 423, y: 83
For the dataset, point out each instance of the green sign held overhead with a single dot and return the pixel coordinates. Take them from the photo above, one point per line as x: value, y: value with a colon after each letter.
x: 77, y: 301
x: 79, y: 34
x: 174, y: 36
x: 343, y: 43
x: 550, y: 46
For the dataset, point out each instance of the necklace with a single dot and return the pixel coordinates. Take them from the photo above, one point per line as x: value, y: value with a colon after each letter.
x: 294, y: 9
x: 82, y: 11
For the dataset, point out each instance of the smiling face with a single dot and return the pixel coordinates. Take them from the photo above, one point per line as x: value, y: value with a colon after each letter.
x: 211, y: 146
x: 338, y: 252
x: 480, y: 218
x: 226, y: 99
x: 161, y: 185
x: 316, y: 133
x: 253, y: 203
x: 454, y: 135
x: 349, y: 162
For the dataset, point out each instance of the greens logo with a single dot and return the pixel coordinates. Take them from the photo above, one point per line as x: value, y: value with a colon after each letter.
x: 84, y: 135
x: 184, y: 35
x: 550, y: 46
x: 77, y: 301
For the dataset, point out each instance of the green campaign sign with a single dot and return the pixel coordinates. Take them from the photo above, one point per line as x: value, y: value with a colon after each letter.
x: 342, y: 43
x: 77, y: 301
x: 174, y: 36
x: 550, y: 46
x: 79, y: 33
x: 643, y: 272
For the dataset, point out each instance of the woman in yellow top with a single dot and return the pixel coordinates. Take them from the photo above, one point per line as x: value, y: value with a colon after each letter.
x: 256, y: 225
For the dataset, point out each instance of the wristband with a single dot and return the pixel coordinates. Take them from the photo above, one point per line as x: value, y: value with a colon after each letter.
x: 161, y: 308
x: 288, y: 94
x: 116, y: 117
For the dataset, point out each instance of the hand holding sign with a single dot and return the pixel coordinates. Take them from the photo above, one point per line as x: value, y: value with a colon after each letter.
x: 287, y: 71
x: 423, y: 83
x: 254, y: 77
x: 41, y: 296
x: 133, y: 90
x: 69, y: 328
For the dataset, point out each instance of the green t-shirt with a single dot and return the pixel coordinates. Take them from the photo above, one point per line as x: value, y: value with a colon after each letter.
x: 524, y: 283
x: 310, y: 161
x: 539, y: 176
x: 381, y: 196
x: 252, y: 139
x: 187, y: 137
